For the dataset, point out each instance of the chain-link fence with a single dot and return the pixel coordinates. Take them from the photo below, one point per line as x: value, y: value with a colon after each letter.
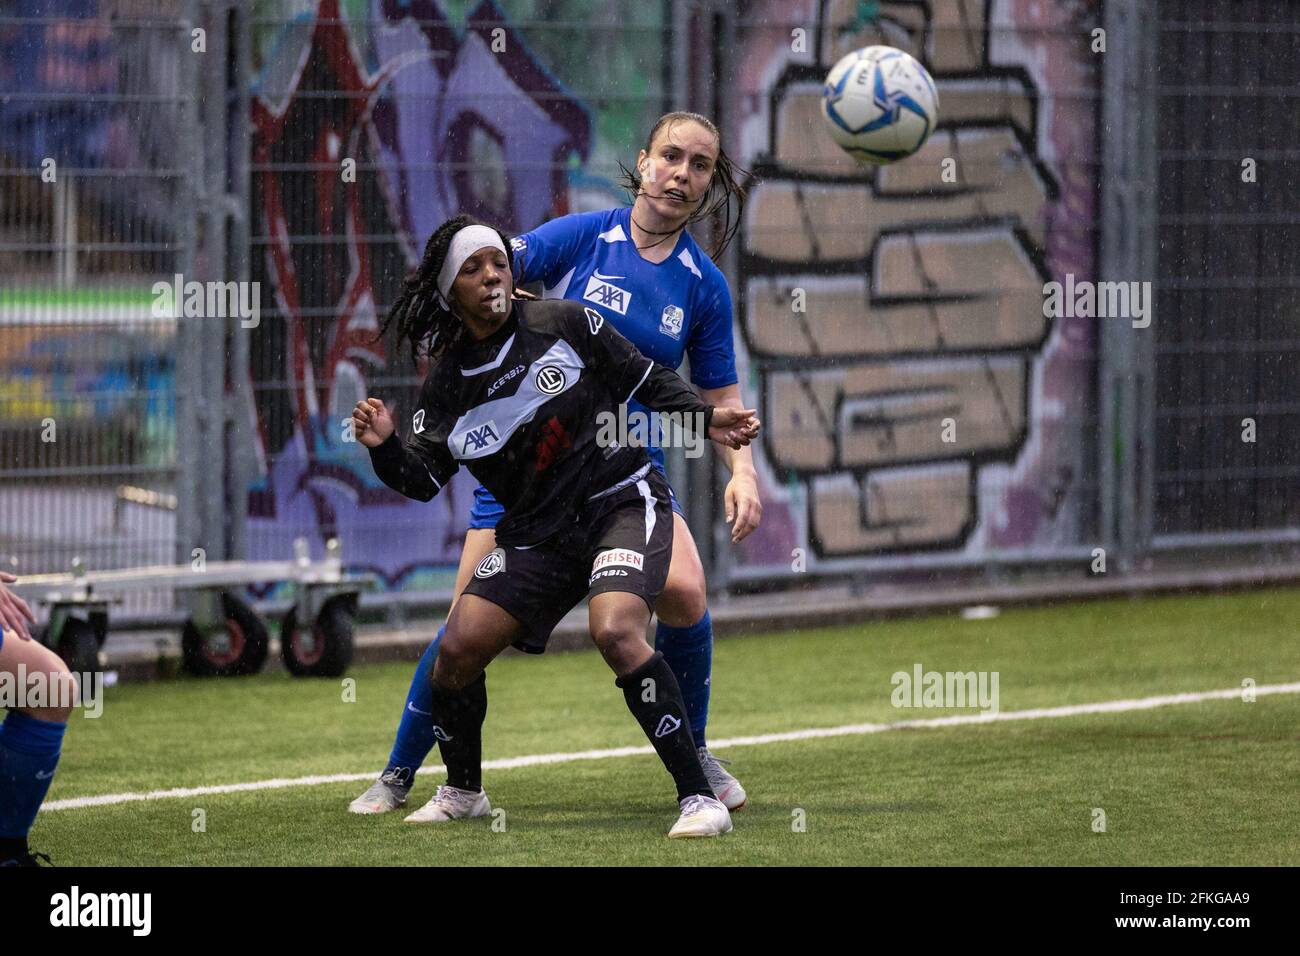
x: 937, y: 390
x: 94, y: 207
x: 1227, y: 363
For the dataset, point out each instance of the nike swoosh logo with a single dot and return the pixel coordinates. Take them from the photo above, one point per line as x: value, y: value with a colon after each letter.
x: 44, y: 776
x: 607, y: 278
x: 416, y: 710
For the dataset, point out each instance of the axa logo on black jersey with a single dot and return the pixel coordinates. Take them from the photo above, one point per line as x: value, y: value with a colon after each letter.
x: 476, y: 439
x: 607, y: 294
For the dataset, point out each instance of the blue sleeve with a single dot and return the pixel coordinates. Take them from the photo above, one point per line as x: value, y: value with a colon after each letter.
x: 548, y: 252
x: 712, y: 350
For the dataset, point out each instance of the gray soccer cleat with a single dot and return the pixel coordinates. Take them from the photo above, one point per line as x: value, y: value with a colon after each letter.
x: 387, y: 793
x: 725, y: 787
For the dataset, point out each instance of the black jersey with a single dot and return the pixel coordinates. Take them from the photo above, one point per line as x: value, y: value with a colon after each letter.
x: 520, y: 410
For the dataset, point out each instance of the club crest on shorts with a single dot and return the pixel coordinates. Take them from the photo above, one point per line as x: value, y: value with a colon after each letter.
x: 551, y: 379
x: 670, y: 323
x: 493, y: 562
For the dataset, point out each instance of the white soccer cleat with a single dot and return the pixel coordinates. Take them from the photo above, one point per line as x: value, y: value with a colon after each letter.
x: 452, y: 804
x: 701, y: 817
x: 727, y: 787
x: 385, y: 794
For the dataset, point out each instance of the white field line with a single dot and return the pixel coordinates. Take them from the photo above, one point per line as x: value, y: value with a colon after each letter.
x: 847, y: 730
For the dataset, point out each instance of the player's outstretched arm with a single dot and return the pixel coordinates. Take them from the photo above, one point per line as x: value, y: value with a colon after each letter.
x: 418, y: 469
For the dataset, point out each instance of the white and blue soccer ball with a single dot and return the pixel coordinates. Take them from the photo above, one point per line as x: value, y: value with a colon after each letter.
x: 880, y: 104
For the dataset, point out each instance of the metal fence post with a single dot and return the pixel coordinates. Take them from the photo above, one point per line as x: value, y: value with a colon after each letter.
x: 188, y: 334
x: 1126, y: 387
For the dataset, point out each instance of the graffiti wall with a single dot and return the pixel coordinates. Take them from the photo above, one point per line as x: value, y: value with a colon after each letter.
x: 433, y: 116
x: 916, y: 398
x: 873, y: 308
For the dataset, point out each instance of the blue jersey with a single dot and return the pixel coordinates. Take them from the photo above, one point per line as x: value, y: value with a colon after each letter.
x: 671, y: 310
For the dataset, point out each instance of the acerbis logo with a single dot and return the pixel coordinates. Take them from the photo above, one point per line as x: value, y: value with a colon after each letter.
x: 551, y: 379
x: 594, y: 320
x: 417, y: 423
x: 493, y: 562
x: 667, y: 724
x: 440, y: 733
x: 504, y: 378
x: 608, y: 295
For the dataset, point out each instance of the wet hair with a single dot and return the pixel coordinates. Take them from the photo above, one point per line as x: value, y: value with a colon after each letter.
x: 418, y: 315
x: 723, y: 187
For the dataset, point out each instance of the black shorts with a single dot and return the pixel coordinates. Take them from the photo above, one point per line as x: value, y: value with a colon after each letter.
x: 620, y: 542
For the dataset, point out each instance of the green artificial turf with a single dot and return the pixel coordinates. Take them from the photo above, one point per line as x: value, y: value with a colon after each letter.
x: 1199, y: 783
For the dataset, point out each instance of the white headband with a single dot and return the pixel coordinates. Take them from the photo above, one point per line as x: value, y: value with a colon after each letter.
x: 464, y: 244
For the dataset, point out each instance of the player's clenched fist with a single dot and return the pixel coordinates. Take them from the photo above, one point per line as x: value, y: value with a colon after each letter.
x: 372, y: 423
x: 734, y: 427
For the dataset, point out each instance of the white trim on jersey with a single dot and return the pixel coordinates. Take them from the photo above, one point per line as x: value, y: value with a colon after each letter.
x: 557, y: 291
x: 686, y: 260
x: 615, y: 234
x: 644, y: 487
x: 640, y: 383
x: 437, y: 485
x: 495, y: 363
x: 620, y: 485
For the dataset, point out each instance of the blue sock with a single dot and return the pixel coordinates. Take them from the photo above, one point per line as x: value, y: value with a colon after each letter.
x: 689, y: 652
x: 415, y: 732
x: 29, y: 752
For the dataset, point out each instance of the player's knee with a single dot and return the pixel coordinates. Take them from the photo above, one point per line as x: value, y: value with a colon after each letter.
x: 684, y: 599
x: 63, y: 692
x: 452, y: 668
x: 619, y: 642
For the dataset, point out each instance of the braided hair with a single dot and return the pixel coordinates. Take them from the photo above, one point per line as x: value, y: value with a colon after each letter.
x: 419, y: 314
x: 723, y: 187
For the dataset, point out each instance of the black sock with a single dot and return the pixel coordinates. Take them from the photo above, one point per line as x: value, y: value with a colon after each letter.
x: 655, y: 700
x: 458, y: 726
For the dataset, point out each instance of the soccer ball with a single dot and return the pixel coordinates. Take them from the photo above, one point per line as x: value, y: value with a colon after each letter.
x: 880, y: 104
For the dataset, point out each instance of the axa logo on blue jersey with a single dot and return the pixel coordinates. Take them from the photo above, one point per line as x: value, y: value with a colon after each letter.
x: 607, y: 294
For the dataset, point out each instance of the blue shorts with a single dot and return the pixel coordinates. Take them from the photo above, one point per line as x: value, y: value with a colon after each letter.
x: 487, y: 511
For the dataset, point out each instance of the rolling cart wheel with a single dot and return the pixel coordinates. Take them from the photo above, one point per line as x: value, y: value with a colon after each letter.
x: 326, y: 649
x: 240, y: 647
x: 79, y: 648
